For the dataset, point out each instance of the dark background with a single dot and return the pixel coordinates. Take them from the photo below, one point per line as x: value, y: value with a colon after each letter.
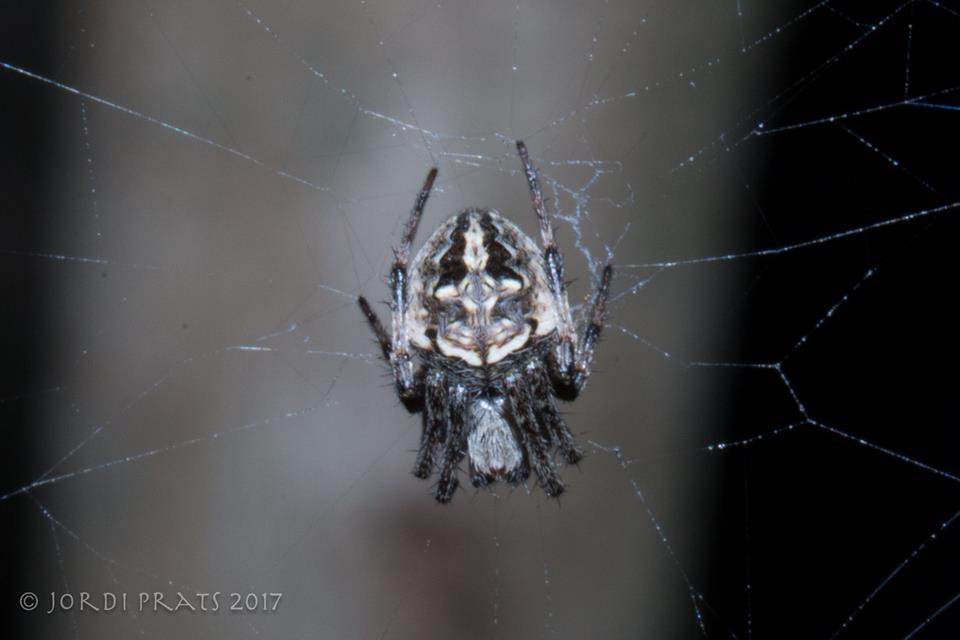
x: 814, y: 522
x: 24, y: 323
x: 800, y: 527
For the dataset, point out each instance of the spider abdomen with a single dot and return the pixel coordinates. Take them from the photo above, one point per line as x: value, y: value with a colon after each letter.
x: 478, y: 291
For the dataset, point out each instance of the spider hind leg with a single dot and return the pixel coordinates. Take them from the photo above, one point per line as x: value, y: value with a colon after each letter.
x: 519, y: 475
x: 455, y: 449
x: 434, y: 424
x: 531, y: 436
x: 552, y: 425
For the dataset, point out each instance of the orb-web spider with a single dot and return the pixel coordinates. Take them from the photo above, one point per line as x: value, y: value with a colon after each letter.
x: 483, y: 341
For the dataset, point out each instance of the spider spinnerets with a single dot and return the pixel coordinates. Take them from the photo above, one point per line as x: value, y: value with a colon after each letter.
x: 483, y: 342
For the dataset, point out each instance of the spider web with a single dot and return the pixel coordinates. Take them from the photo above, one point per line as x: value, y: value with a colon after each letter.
x: 197, y: 194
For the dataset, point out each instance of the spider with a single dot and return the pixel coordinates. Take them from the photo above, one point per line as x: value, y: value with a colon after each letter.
x: 482, y: 343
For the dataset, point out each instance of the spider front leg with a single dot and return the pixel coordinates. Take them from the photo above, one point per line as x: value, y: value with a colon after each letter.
x: 396, y: 348
x: 570, y: 358
x: 553, y: 264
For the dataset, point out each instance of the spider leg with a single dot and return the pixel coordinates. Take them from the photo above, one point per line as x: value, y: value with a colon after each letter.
x: 569, y: 363
x: 543, y: 218
x: 410, y: 229
x: 378, y: 331
x: 521, y: 407
x: 569, y: 383
x: 552, y: 424
x: 396, y: 348
x: 434, y: 424
x: 455, y: 443
x: 412, y: 395
x: 553, y: 264
x: 401, y: 358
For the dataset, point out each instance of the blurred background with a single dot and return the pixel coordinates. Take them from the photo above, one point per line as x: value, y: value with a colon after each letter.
x: 195, y: 193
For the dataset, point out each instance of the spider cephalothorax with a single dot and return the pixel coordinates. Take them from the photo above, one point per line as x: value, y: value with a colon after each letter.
x: 483, y: 342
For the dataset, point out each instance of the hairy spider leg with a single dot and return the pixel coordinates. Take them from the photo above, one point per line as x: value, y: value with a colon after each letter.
x: 410, y: 229
x: 553, y: 263
x: 520, y: 407
x: 591, y: 333
x: 378, y: 331
x: 434, y: 424
x: 552, y: 424
x: 455, y: 449
x: 571, y: 357
x: 397, y: 349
